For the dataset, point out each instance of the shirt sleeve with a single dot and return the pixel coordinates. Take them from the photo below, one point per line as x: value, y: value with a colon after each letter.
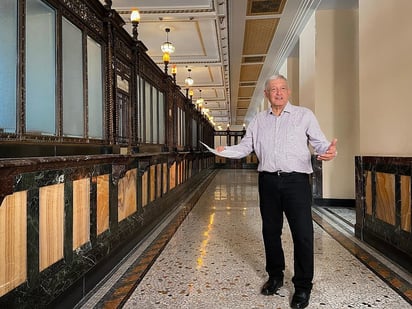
x: 316, y: 137
x: 245, y: 146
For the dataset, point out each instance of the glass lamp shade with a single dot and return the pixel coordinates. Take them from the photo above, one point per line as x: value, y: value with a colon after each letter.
x: 167, y: 47
x: 135, y: 16
x: 166, y: 57
x: 189, y: 81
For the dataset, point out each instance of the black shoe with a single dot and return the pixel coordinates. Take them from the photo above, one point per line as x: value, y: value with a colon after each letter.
x: 271, y: 286
x: 300, y: 299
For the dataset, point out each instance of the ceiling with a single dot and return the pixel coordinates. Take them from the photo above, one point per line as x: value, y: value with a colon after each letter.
x: 230, y: 46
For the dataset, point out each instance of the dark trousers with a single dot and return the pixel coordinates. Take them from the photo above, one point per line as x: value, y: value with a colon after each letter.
x: 291, y: 195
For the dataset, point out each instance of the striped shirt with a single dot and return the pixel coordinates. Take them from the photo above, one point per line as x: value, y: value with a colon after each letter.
x: 281, y: 142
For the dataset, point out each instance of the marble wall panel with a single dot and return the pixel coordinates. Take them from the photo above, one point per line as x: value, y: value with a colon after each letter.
x: 185, y: 170
x: 368, y: 193
x: 81, y: 212
x: 13, y: 241
x: 385, y: 197
x: 152, y: 182
x: 180, y: 171
x: 172, y: 176
x: 102, y: 203
x: 158, y: 180
x: 251, y: 159
x: 145, y: 187
x: 190, y: 169
x: 165, y: 174
x: 220, y: 160
x: 406, y: 203
x: 127, y: 195
x: 51, y: 224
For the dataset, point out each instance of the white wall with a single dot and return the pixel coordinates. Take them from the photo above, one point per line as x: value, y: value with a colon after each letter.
x: 385, y: 77
x: 307, y: 65
x: 328, y: 85
x: 337, y: 99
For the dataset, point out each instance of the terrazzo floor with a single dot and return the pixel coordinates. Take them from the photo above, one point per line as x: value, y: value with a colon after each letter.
x: 215, y: 259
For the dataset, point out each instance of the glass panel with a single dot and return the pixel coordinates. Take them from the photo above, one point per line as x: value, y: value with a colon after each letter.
x: 8, y: 60
x: 155, y: 116
x: 123, y: 102
x: 161, y: 118
x: 183, y: 128
x: 178, y: 126
x: 40, y: 68
x: 148, y: 105
x: 95, y: 88
x: 140, y: 110
x: 194, y: 133
x: 73, y: 120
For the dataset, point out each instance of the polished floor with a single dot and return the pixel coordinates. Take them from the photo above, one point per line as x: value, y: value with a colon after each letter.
x: 211, y: 256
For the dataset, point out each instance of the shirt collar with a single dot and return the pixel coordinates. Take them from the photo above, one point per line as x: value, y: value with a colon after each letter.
x: 288, y: 109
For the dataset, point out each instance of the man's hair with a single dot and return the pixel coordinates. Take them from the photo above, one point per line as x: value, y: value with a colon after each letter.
x: 274, y: 77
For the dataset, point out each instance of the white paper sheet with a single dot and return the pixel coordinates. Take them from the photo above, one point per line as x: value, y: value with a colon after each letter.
x: 231, y: 154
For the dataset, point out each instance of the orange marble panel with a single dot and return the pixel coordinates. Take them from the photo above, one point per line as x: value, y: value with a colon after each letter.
x: 152, y: 182
x: 51, y: 222
x: 220, y: 160
x: 158, y: 180
x: 13, y: 241
x: 164, y: 178
x: 406, y: 203
x: 127, y: 195
x: 81, y: 212
x: 172, y: 176
x: 145, y: 177
x: 251, y: 159
x: 368, y: 193
x: 385, y: 197
x: 102, y: 203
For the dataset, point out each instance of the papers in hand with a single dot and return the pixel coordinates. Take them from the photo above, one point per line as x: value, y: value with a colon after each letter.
x: 231, y: 154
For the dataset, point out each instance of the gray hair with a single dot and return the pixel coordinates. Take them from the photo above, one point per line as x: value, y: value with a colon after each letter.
x: 274, y: 77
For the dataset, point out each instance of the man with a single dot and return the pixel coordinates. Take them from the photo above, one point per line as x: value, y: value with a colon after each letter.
x: 279, y: 136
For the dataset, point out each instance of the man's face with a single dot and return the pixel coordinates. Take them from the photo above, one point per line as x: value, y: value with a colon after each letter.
x: 277, y: 93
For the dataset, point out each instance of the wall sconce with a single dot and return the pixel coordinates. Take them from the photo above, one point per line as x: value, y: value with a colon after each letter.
x: 191, y: 94
x: 189, y: 80
x: 167, y: 47
x: 135, y: 19
x: 174, y: 71
x: 166, y: 60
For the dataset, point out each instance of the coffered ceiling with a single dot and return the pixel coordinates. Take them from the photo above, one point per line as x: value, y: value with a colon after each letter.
x: 230, y: 46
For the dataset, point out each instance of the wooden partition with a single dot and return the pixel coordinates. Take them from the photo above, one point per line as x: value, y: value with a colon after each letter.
x: 62, y: 216
x: 383, y: 205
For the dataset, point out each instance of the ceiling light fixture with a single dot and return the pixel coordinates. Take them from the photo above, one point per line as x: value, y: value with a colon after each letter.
x: 189, y: 80
x: 167, y: 47
x: 200, y: 101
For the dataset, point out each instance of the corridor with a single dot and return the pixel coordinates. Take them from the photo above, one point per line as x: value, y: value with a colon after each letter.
x: 212, y: 257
